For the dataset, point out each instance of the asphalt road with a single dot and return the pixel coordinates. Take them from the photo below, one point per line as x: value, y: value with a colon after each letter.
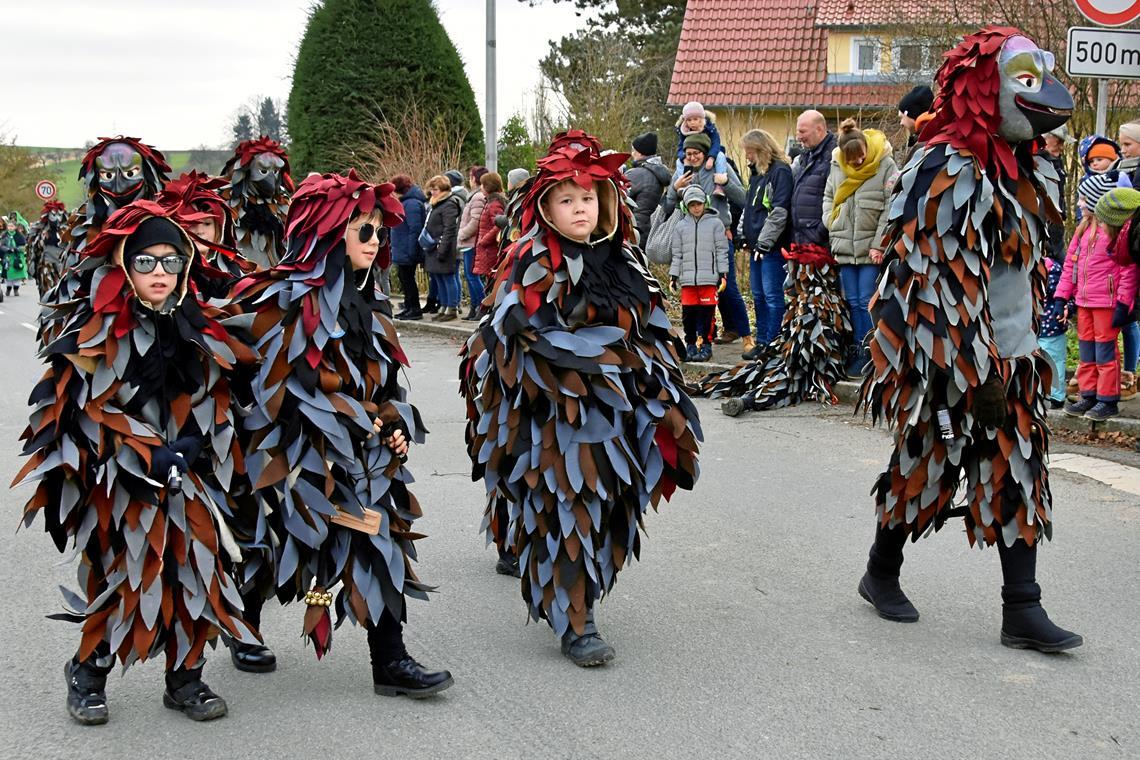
x: 739, y: 633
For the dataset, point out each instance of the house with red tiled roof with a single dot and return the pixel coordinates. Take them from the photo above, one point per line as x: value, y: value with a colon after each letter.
x: 760, y: 63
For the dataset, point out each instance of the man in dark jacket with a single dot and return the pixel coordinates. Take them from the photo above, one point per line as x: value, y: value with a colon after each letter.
x: 647, y: 178
x: 406, y: 253
x: 809, y: 177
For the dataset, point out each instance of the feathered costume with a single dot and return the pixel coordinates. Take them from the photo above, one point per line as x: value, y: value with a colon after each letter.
x: 806, y: 359
x: 337, y: 497
x: 45, y: 246
x: 957, y: 306
x: 258, y: 190
x: 126, y: 380
x: 116, y: 171
x: 577, y: 413
x: 195, y: 193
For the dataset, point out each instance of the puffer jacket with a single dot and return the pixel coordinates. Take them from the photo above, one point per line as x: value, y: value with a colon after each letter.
x: 647, y: 180
x: 443, y: 225
x: 862, y: 217
x: 700, y: 250
x: 487, y: 243
x: 1093, y: 275
x: 405, y: 235
x: 809, y: 178
x: 469, y: 222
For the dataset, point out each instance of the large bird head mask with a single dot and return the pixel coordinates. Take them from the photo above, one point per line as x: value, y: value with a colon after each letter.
x: 996, y: 90
x: 118, y: 170
x: 261, y: 168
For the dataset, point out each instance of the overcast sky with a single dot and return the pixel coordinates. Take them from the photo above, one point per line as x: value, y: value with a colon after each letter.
x: 79, y: 66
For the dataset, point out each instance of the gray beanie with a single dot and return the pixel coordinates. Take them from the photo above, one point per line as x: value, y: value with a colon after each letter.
x: 516, y: 177
x: 693, y: 194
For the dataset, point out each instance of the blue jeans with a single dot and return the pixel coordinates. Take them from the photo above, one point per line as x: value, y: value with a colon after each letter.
x: 1131, y: 333
x: 447, y: 286
x: 732, y: 309
x: 1056, y: 347
x: 858, y: 282
x: 474, y: 282
x: 768, y: 276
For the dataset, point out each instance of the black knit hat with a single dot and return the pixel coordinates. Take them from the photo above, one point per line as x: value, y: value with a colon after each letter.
x: 152, y: 232
x: 917, y: 102
x: 646, y: 144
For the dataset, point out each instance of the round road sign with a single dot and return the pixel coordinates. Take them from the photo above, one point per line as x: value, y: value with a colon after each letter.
x: 45, y: 189
x: 1110, y: 12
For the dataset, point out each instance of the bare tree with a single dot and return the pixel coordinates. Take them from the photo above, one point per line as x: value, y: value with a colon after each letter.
x: 415, y: 142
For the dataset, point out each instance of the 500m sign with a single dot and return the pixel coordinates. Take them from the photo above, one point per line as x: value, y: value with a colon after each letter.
x: 1103, y: 53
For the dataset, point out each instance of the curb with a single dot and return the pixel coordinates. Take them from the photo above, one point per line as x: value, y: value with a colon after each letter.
x: 846, y: 391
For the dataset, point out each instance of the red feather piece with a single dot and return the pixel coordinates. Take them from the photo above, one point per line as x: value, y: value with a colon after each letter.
x: 110, y: 289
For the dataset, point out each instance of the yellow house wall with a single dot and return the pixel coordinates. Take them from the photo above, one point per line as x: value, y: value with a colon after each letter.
x: 780, y: 123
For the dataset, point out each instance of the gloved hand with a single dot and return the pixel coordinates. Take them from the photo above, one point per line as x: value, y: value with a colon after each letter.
x: 1121, y: 315
x: 189, y: 446
x: 759, y: 253
x: 989, y: 407
x: 162, y: 458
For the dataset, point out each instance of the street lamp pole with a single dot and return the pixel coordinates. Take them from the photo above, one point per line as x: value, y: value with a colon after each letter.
x: 491, y: 136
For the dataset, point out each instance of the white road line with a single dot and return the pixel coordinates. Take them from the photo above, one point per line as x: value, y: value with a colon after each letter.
x: 31, y: 327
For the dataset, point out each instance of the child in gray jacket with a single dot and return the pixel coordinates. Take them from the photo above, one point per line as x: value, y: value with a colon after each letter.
x: 700, y: 266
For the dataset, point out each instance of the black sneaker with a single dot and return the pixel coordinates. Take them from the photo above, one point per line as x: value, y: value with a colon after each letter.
x: 86, y: 693
x: 410, y: 316
x: 407, y: 678
x: 508, y: 564
x: 586, y: 651
x: 1078, y: 408
x: 1056, y: 404
x: 193, y: 698
x: 1102, y: 411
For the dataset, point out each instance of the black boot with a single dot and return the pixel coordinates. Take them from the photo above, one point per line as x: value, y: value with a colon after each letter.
x: 394, y: 672
x: 188, y: 693
x: 1024, y: 622
x: 472, y: 314
x: 508, y: 564
x: 880, y: 584
x: 736, y: 406
x: 432, y: 306
x: 86, y: 691
x: 252, y: 658
x: 590, y: 648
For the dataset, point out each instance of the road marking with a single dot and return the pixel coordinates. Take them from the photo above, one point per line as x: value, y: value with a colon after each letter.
x: 31, y: 327
x: 1118, y: 476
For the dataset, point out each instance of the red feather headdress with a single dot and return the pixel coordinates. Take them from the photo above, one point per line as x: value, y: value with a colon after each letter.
x: 149, y: 153
x: 247, y: 150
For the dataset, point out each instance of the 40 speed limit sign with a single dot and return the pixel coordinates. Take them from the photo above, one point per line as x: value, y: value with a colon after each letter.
x: 1103, y: 53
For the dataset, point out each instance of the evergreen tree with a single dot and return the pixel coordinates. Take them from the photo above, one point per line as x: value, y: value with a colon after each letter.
x: 516, y: 149
x: 242, y: 128
x: 269, y: 120
x: 363, y: 61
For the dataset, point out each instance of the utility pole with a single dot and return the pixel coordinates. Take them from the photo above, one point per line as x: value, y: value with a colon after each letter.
x: 1101, y: 106
x: 491, y: 139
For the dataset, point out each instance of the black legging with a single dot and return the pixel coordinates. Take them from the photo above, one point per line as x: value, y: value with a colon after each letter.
x: 697, y: 321
x: 407, y: 273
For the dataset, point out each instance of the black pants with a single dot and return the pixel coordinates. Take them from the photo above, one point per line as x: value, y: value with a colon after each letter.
x: 407, y: 273
x: 697, y: 320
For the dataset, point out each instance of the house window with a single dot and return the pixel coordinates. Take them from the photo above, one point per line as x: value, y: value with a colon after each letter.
x: 913, y: 57
x: 865, y: 56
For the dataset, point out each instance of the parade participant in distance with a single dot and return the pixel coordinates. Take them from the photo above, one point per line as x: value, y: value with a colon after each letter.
x: 956, y: 370
x: 257, y: 191
x: 576, y: 408
x: 132, y: 440
x: 45, y: 246
x: 329, y: 425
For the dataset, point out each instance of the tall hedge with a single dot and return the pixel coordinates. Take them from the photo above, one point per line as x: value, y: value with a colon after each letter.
x: 358, y: 55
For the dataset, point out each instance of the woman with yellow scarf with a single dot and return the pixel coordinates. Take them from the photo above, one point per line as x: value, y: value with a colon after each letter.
x: 856, y: 202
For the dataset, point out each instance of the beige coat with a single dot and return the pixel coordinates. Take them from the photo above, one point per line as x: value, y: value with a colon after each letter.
x: 862, y: 218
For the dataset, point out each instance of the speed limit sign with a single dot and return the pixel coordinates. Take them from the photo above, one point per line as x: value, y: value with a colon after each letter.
x: 45, y: 189
x: 1110, y: 12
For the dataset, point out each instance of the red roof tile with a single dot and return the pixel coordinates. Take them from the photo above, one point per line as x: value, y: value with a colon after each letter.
x: 860, y: 13
x: 762, y: 53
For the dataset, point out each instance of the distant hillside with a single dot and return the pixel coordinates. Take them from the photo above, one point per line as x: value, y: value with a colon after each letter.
x: 61, y: 166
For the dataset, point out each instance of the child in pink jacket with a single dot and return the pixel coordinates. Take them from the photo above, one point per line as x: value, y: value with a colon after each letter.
x: 1105, y: 291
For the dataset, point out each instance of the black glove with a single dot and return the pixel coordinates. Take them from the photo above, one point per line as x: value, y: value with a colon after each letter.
x: 990, y: 403
x: 759, y: 253
x: 389, y: 429
x: 189, y: 446
x: 1121, y: 315
x: 162, y: 458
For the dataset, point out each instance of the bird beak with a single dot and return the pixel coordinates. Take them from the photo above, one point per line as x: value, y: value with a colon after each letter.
x: 1049, y: 107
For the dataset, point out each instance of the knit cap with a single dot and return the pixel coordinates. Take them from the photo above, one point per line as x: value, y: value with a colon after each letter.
x: 1117, y: 206
x: 1093, y: 187
x: 692, y: 108
x: 646, y: 144
x: 693, y: 194
x: 516, y: 177
x: 917, y: 102
x: 700, y: 141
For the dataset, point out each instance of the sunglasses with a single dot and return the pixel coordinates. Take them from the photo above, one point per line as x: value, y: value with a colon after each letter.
x: 145, y: 263
x: 365, y: 232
